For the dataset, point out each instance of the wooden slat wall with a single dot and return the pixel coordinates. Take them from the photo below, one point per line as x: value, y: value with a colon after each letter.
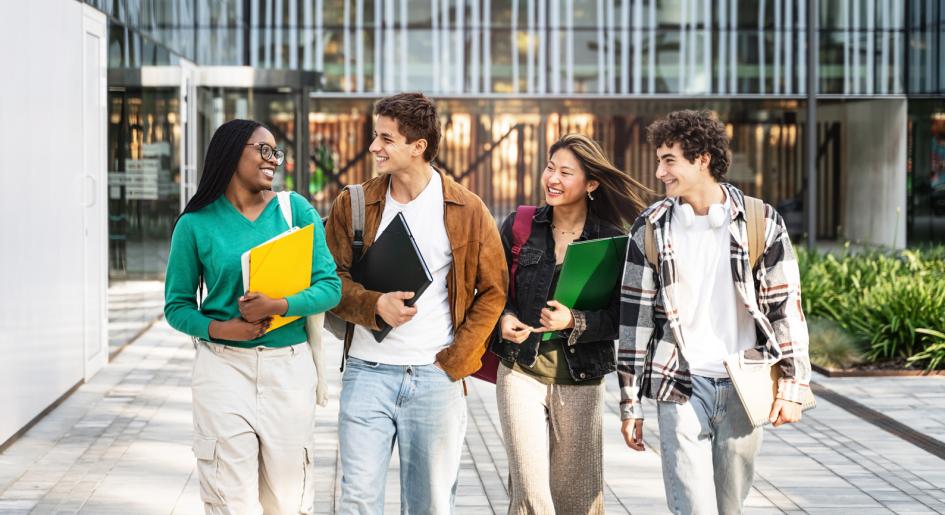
x: 773, y: 152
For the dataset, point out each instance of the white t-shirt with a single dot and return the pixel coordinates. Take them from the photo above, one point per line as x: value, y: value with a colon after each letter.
x: 431, y: 329
x: 713, y: 319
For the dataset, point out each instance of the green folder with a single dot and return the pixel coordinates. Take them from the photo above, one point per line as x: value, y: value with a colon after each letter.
x: 589, y: 274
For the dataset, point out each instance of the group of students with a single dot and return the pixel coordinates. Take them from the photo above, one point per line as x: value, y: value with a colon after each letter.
x: 689, y: 297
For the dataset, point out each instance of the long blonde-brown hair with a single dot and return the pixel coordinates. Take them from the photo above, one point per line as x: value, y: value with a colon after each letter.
x: 620, y: 198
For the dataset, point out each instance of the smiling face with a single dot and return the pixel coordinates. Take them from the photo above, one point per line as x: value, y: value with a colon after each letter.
x: 392, y: 153
x: 680, y: 176
x: 564, y: 180
x: 254, y: 172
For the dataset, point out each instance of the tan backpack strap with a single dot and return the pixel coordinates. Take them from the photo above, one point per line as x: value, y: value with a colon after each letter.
x: 755, y: 217
x: 649, y: 244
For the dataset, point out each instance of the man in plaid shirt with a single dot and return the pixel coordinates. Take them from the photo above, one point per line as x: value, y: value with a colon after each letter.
x: 703, y: 302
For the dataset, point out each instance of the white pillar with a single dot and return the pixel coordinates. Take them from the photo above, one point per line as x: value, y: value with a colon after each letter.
x: 569, y: 45
x: 601, y: 67
x: 761, y: 47
x: 542, y: 27
x: 459, y: 37
x: 514, y: 46
x: 475, y: 33
x: 638, y: 24
x: 556, y: 46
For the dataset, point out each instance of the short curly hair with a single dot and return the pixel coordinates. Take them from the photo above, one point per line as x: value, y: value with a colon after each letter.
x: 416, y: 119
x: 697, y: 132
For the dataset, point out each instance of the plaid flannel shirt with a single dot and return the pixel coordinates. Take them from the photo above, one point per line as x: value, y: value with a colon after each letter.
x: 651, y: 353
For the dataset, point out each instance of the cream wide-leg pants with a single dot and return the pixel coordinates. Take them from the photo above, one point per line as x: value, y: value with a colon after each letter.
x: 254, y: 418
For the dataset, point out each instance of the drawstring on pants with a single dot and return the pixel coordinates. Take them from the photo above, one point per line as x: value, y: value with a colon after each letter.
x: 551, y: 400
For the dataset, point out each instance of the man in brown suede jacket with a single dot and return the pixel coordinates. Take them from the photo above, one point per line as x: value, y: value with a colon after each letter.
x: 408, y: 388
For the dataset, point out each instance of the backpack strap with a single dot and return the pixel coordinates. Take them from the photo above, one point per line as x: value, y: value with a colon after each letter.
x: 649, y: 245
x: 521, y: 231
x: 285, y: 205
x: 356, y: 192
x: 755, y: 217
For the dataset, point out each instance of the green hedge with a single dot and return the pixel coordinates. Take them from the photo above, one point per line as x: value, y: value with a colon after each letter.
x: 891, y: 302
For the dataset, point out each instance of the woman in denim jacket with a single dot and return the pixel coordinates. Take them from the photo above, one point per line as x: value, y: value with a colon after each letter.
x: 550, y: 393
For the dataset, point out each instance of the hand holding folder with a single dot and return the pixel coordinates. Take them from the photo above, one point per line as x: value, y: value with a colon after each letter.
x: 590, y: 273
x: 280, y: 267
x: 393, y: 263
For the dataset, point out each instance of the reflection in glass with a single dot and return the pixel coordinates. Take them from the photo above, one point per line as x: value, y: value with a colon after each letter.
x: 143, y: 179
x: 548, y: 46
x: 273, y: 109
x: 925, y: 177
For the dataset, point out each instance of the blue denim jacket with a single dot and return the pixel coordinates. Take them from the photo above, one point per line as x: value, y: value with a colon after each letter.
x: 590, y: 344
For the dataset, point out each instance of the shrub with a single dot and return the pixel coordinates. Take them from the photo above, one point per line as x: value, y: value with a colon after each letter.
x: 831, y: 346
x: 888, y: 314
x: 882, y: 298
x: 934, y: 353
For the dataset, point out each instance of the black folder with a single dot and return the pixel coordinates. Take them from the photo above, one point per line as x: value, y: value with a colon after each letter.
x: 393, y: 263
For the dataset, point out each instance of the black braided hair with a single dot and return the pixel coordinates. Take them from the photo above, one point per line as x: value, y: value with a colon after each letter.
x: 222, y: 158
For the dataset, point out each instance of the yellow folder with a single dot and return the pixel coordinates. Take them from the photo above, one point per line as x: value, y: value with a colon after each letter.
x: 280, y: 267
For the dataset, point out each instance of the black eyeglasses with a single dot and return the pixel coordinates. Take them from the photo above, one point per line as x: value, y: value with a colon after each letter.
x: 267, y: 152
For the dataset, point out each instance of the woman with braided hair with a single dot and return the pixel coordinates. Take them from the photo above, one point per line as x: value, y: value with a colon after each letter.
x: 253, y: 391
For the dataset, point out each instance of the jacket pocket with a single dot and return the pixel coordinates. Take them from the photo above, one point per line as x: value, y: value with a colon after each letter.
x: 529, y: 257
x: 208, y: 469
x: 307, y: 503
x: 525, y: 279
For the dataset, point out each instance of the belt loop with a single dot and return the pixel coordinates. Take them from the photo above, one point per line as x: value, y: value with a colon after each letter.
x: 293, y: 349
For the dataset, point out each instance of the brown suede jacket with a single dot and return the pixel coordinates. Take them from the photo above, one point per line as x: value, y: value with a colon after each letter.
x: 477, y: 282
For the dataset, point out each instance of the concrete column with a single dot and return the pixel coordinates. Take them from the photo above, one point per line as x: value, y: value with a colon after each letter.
x: 875, y: 178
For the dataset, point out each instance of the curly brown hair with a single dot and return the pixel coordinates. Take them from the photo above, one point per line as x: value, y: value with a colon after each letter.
x: 416, y: 119
x: 698, y: 133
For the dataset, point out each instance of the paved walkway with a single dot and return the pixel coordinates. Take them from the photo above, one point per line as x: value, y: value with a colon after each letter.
x: 121, y: 444
x: 917, y: 402
x: 132, y: 306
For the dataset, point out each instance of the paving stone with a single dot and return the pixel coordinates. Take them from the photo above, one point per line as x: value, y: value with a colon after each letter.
x: 16, y: 505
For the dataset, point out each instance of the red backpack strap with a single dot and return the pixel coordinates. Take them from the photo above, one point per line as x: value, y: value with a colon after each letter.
x: 521, y: 231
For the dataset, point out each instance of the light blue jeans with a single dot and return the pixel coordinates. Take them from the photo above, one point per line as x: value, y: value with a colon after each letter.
x: 420, y: 409
x: 708, y: 448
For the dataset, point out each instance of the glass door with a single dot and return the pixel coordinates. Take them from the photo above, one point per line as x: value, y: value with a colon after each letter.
x: 144, y: 179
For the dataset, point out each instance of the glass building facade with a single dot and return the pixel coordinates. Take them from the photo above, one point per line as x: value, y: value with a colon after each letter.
x: 511, y: 76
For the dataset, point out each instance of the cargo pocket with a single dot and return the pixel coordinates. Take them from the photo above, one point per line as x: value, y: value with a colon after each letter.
x: 308, y: 480
x: 205, y: 450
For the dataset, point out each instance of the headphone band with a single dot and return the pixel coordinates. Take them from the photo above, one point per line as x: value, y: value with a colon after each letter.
x: 688, y: 216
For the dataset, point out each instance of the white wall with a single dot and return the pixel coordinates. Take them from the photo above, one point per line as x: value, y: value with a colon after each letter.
x: 43, y: 221
x: 875, y: 160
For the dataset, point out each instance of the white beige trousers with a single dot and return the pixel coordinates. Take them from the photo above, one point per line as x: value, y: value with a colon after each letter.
x: 254, y: 418
x: 553, y: 439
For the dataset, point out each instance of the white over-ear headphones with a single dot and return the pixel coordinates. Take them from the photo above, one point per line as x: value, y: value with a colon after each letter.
x: 687, y: 215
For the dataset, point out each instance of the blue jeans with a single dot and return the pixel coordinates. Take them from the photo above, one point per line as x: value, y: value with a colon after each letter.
x: 708, y: 448
x: 420, y: 409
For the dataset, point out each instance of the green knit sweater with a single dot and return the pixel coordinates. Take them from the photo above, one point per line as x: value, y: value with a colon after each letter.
x: 211, y: 241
